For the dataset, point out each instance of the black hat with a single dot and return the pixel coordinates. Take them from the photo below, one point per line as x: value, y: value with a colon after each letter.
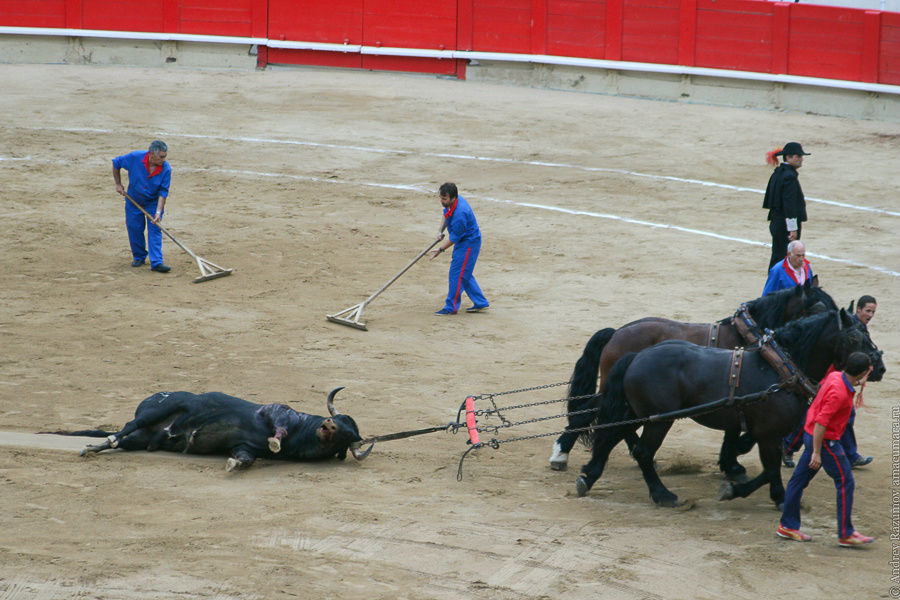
x: 792, y: 148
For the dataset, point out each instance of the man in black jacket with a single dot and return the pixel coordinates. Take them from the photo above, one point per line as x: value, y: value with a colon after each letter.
x: 784, y: 199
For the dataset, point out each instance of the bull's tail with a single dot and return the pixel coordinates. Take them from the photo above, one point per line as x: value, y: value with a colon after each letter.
x: 98, y: 433
x: 584, y: 381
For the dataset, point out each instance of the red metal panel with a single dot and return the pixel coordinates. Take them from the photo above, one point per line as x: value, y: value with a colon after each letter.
x: 576, y: 28
x: 33, y: 13
x: 687, y: 32
x: 889, y: 57
x: 614, y: 12
x: 410, y: 64
x: 260, y: 20
x: 123, y: 15
x: 734, y: 35
x: 502, y: 26
x: 73, y: 14
x: 335, y: 22
x: 826, y: 41
x: 539, y: 26
x: 781, y: 33
x: 464, y: 25
x: 216, y: 17
x: 650, y: 31
x: 410, y: 24
x: 319, y: 59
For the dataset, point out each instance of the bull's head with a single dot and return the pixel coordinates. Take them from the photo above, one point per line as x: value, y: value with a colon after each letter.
x: 354, y: 447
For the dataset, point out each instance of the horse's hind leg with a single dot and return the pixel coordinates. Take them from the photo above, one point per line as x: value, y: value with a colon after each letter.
x: 604, y: 441
x: 651, y: 439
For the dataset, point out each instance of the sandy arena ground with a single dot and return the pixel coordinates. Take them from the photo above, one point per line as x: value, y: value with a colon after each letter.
x: 316, y: 186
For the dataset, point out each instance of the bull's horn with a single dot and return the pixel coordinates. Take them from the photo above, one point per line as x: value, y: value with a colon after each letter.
x: 354, y: 450
x: 330, y: 402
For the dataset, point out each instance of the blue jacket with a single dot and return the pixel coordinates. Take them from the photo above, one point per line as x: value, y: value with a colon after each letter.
x: 142, y: 186
x: 461, y: 224
x: 781, y: 276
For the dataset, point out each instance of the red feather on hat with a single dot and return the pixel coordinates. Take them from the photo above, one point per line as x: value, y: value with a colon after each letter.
x: 771, y: 157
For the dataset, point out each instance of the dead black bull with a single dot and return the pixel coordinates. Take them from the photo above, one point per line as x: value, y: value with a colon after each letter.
x: 216, y: 423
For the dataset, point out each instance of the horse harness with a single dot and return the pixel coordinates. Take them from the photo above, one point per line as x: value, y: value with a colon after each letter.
x: 789, y: 374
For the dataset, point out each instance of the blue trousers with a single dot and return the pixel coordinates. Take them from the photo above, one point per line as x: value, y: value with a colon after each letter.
x: 135, y: 221
x: 462, y: 279
x: 835, y: 463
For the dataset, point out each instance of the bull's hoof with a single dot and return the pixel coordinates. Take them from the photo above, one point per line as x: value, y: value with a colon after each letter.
x: 274, y: 445
x: 581, y: 486
x: 559, y: 465
x: 726, y: 491
x: 113, y: 441
x: 231, y: 464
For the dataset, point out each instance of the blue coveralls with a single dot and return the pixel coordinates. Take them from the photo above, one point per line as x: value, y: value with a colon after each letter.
x: 466, y: 237
x: 146, y: 189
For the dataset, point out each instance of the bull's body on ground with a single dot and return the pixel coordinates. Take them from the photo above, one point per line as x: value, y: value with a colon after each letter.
x: 216, y: 423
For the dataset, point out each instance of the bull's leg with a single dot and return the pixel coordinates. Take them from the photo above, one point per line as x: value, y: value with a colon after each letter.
x: 728, y: 454
x: 651, y: 439
x: 604, y: 441
x: 770, y: 456
x: 241, y: 458
x: 275, y: 440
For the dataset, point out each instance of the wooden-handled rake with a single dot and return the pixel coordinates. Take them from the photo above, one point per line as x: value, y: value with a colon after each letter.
x: 208, y: 270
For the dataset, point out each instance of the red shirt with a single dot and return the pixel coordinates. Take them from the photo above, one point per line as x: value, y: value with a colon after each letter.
x: 832, y: 406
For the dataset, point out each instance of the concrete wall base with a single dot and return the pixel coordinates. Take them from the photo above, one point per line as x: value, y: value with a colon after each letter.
x: 718, y: 91
x: 40, y: 49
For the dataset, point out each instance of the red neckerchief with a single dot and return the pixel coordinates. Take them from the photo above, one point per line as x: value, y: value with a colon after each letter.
x: 157, y: 170
x: 790, y: 270
x: 449, y: 212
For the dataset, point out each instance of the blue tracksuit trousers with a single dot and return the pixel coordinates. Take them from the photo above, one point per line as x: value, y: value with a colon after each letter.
x: 462, y: 278
x: 835, y: 463
x: 135, y: 221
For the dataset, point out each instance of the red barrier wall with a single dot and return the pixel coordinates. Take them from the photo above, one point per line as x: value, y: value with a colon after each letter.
x: 746, y: 35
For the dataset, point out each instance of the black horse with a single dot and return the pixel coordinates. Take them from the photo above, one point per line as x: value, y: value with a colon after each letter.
x: 676, y: 375
x: 609, y: 345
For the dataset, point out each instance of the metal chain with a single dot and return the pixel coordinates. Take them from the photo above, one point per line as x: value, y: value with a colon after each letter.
x: 528, y: 389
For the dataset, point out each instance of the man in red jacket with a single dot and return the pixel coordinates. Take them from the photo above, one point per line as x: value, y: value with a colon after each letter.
x: 825, y: 422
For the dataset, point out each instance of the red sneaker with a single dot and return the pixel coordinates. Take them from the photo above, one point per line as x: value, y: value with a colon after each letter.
x: 792, y: 534
x: 855, y: 539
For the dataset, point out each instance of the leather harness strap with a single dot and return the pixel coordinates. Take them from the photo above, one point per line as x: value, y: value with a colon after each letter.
x: 787, y: 371
x: 746, y: 325
x: 712, y: 338
x: 734, y: 373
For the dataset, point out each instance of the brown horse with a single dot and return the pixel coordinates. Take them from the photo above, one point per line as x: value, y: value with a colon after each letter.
x: 608, y: 345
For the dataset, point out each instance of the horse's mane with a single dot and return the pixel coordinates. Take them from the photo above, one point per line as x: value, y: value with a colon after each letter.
x: 816, y: 294
x: 768, y: 311
x: 799, y: 337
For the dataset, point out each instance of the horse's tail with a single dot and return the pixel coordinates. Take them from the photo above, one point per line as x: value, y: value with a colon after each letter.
x: 583, y: 389
x: 98, y: 433
x: 615, y: 404
x: 587, y: 369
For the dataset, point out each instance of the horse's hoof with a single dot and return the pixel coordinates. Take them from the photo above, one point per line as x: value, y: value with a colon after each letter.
x: 670, y: 501
x: 559, y: 465
x: 737, y: 477
x: 581, y: 487
x: 274, y: 445
x: 726, y: 491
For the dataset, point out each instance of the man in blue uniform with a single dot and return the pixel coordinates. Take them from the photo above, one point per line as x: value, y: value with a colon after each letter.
x: 465, y: 237
x: 149, y: 177
x: 793, y: 270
